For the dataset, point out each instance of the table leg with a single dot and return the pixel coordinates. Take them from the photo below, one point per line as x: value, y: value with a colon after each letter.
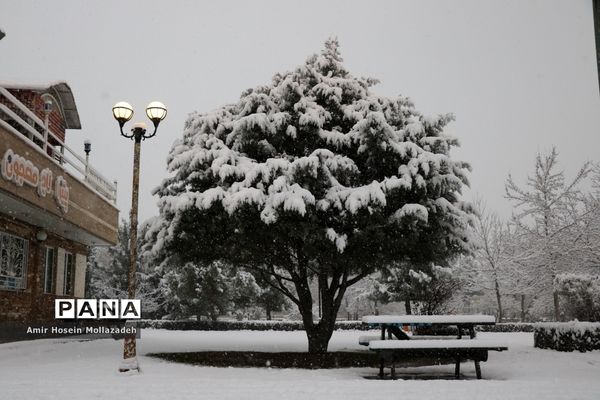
x: 457, y: 369
x: 381, y: 364
x: 472, y: 331
x: 478, y: 369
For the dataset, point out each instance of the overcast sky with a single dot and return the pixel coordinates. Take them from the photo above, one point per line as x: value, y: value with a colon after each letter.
x: 519, y: 75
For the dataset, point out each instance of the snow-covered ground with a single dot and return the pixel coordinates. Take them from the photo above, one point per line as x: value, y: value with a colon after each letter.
x: 54, y: 369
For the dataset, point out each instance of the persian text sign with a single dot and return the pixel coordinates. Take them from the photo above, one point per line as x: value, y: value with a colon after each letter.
x: 20, y: 170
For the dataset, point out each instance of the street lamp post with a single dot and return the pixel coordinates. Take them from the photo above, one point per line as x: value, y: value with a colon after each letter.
x: 123, y: 112
x: 87, y: 147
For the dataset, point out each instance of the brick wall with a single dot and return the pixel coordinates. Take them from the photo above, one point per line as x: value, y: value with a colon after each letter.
x: 35, y: 103
x: 32, y: 304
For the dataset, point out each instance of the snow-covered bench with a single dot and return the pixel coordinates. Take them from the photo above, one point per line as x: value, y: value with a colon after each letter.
x: 437, y: 347
x: 392, y: 351
x: 365, y: 340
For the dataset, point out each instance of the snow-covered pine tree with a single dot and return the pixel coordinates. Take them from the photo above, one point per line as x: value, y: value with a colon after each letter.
x: 244, y: 291
x: 196, y: 290
x: 269, y: 298
x: 583, y: 294
x: 108, y: 270
x: 108, y: 267
x: 314, y: 178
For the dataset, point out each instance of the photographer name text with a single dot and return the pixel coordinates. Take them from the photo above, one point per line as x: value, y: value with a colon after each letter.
x: 87, y: 330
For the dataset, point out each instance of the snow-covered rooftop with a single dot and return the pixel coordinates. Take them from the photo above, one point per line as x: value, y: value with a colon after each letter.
x: 61, y: 91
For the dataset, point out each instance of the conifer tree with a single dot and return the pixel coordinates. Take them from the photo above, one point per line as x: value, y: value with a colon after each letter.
x: 314, y: 178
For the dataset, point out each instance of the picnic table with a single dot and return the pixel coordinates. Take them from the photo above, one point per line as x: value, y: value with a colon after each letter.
x: 393, y: 344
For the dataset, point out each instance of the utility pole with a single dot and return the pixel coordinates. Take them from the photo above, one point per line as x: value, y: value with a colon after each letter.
x: 597, y: 35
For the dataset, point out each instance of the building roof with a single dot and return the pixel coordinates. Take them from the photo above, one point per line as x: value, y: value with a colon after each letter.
x: 61, y: 91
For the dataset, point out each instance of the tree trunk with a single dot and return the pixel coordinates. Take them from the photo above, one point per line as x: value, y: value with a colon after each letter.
x: 318, y: 338
x: 499, y: 300
x: 407, y: 307
x: 318, y: 334
x: 268, y: 312
x: 556, y: 306
x: 522, y: 308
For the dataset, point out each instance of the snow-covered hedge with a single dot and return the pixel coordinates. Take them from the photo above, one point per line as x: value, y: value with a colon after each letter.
x: 507, y: 327
x: 186, y: 325
x: 567, y: 336
x: 501, y: 327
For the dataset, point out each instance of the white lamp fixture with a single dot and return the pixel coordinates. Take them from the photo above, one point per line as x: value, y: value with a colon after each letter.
x: 122, y: 111
x: 41, y: 235
x: 156, y: 111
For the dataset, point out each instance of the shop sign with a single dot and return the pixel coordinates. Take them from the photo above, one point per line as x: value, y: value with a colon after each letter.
x: 20, y: 171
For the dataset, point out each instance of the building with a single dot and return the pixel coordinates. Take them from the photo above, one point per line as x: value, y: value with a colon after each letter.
x: 53, y: 204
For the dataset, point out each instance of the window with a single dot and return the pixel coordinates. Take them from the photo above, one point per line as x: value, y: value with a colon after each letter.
x: 49, y: 267
x: 13, y: 262
x: 69, y: 274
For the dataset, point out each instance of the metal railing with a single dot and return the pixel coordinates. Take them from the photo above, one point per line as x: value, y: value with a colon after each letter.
x: 20, y: 120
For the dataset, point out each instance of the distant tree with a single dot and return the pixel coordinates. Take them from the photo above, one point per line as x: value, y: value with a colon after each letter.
x: 547, y: 210
x: 496, y: 258
x: 244, y: 292
x: 194, y: 290
x: 362, y: 298
x: 587, y: 237
x: 108, y: 267
x: 424, y: 290
x: 314, y: 178
x: 270, y: 299
x: 582, y: 293
x: 108, y: 274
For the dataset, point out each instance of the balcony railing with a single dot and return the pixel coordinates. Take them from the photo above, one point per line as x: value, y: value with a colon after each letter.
x: 20, y: 120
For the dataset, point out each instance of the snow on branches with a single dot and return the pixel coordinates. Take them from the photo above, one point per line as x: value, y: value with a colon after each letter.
x: 318, y: 142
